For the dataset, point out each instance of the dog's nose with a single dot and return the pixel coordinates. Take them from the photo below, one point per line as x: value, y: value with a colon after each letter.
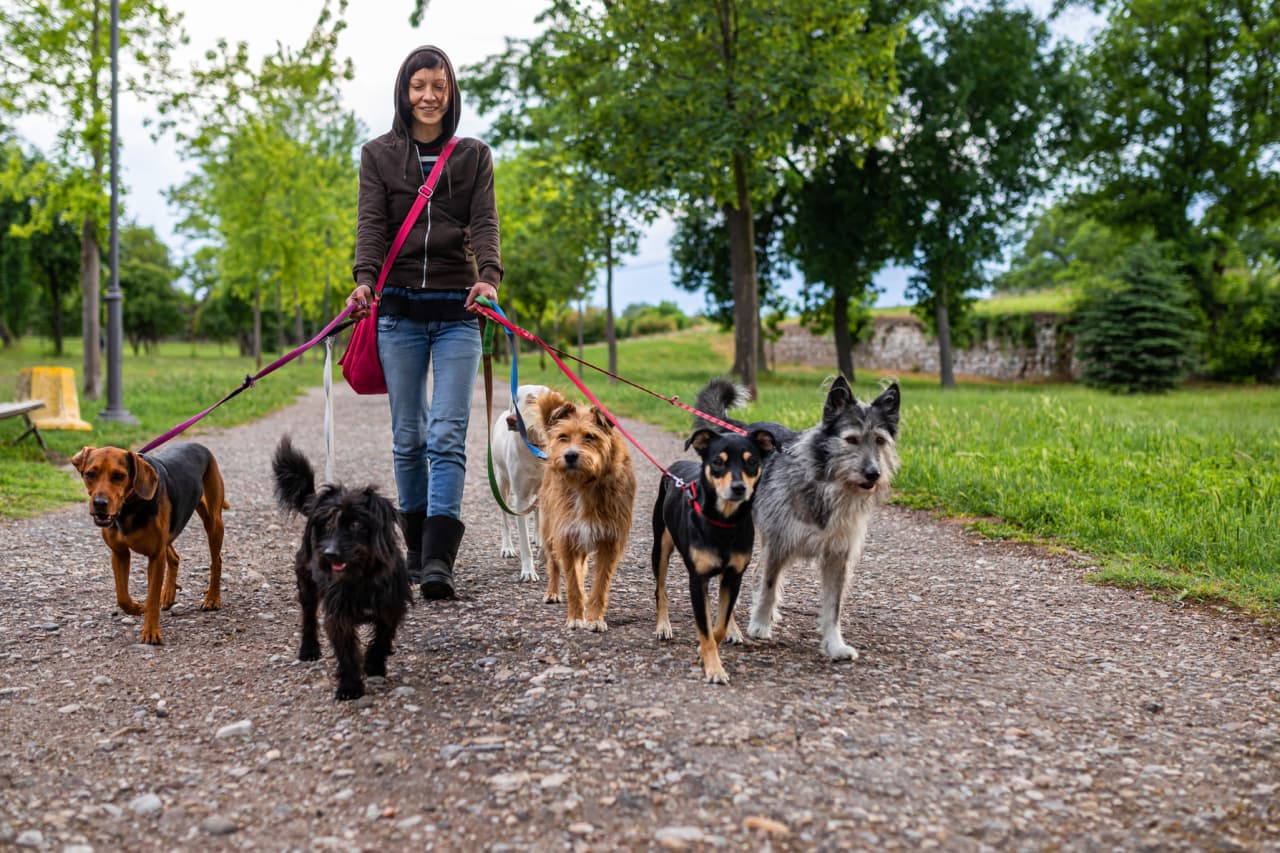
x: 571, y: 457
x: 100, y: 503
x: 738, y: 489
x: 872, y: 474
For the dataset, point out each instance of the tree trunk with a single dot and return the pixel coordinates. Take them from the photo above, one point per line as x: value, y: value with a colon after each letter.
x: 944, y: 335
x: 257, y: 326
x: 742, y: 266
x: 91, y: 322
x: 610, y: 333
x: 844, y: 341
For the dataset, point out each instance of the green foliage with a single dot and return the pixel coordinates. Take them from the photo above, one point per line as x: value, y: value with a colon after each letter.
x: 1138, y: 333
x: 1065, y: 249
x: 152, y: 307
x: 273, y: 193
x: 643, y: 319
x: 1246, y: 346
x: 982, y: 130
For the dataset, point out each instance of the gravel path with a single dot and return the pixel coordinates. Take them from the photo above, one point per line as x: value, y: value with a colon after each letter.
x: 1001, y: 702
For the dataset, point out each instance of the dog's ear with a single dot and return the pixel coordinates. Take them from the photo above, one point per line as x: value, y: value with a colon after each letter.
x: 561, y: 412
x: 386, y: 522
x: 764, y: 440
x: 548, y: 402
x: 839, y: 398
x: 145, y: 479
x: 82, y: 458
x: 887, y: 404
x: 601, y: 418
x: 699, y: 441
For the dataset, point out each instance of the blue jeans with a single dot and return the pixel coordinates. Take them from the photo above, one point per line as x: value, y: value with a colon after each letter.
x: 429, y: 437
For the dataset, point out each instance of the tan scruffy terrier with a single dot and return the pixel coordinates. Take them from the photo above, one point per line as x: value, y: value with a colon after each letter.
x: 585, y: 505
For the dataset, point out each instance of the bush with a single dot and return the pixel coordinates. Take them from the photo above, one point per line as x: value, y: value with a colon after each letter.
x: 1138, y: 332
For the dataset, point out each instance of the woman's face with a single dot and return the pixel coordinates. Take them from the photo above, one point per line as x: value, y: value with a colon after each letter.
x: 429, y: 97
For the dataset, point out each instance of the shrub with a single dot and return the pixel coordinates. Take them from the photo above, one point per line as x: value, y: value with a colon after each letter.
x: 1138, y: 332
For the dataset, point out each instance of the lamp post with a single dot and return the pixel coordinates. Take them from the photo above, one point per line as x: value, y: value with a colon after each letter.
x: 115, y: 411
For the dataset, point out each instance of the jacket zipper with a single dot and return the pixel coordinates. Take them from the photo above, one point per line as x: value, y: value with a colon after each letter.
x: 426, y: 258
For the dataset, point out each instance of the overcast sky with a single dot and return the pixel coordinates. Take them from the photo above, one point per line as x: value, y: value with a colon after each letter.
x: 377, y: 39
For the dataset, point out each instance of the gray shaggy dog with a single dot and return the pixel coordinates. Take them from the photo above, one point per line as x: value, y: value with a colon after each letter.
x: 816, y: 498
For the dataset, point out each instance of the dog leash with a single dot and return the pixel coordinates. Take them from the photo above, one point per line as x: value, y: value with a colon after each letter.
x: 487, y: 309
x: 251, y: 379
x: 486, y: 349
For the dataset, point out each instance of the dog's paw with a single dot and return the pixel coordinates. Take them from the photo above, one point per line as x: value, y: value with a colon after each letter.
x: 597, y: 626
x: 733, y: 634
x: 664, y: 630
x: 168, y: 597
x: 309, y: 651
x: 130, y: 607
x: 717, y: 675
x: 575, y: 624
x: 375, y: 668
x: 346, y: 692
x: 837, y: 649
x: 529, y: 575
x: 151, y: 636
x: 760, y: 630
x: 211, y: 601
x: 509, y: 551
x: 552, y: 598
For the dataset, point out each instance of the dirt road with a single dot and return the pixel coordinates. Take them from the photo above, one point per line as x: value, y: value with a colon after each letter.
x: 1001, y: 702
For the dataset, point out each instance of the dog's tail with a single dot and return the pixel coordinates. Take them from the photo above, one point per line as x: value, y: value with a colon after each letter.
x: 295, y: 479
x: 717, y: 398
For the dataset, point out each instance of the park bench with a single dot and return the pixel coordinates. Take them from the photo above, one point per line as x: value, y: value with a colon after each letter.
x: 23, y: 409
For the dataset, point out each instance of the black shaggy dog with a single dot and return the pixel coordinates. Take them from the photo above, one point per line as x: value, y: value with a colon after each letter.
x: 351, y: 560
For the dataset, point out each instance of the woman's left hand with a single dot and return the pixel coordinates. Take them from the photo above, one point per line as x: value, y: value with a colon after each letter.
x: 481, y: 288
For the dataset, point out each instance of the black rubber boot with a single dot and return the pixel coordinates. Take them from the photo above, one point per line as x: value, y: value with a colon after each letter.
x: 441, y: 536
x: 411, y: 527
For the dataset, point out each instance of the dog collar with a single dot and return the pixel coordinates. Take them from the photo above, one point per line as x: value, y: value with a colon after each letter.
x: 697, y: 507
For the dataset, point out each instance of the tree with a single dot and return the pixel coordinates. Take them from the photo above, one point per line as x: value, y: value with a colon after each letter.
x: 1185, y: 127
x: 153, y: 308
x: 849, y: 222
x: 57, y: 63
x: 274, y: 190
x: 982, y: 125
x: 1065, y: 249
x: 701, y: 101
x: 1138, y: 333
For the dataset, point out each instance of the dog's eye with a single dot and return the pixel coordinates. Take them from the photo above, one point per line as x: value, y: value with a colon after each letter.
x: 881, y: 441
x: 117, y: 477
x: 853, y: 439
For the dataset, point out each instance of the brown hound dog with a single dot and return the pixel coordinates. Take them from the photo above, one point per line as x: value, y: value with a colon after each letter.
x: 142, y: 503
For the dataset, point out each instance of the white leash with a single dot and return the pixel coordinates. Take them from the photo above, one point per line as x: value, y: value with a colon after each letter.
x: 328, y: 409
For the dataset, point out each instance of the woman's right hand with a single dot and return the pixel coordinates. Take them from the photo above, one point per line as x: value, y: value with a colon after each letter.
x: 362, y: 299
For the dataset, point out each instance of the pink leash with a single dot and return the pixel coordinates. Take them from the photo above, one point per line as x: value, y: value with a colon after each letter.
x: 250, y: 380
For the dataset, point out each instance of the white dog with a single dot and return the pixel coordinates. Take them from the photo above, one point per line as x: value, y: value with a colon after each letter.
x: 519, y: 473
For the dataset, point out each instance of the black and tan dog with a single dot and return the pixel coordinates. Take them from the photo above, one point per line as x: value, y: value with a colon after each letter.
x: 142, y: 502
x: 351, y: 560
x: 709, y: 523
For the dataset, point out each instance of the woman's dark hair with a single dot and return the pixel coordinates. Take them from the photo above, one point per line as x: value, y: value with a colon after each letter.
x: 425, y: 58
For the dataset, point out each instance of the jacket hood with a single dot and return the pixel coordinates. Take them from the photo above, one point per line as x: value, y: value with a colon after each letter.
x: 403, y: 123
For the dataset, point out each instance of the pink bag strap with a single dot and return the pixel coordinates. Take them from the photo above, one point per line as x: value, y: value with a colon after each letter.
x: 424, y: 197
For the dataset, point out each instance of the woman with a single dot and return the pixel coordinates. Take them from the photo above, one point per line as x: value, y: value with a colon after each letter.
x: 426, y: 322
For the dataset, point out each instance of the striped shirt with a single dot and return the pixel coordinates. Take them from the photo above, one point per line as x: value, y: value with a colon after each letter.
x: 428, y: 154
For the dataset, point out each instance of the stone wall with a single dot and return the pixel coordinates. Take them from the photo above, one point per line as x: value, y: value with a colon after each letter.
x: 901, y: 344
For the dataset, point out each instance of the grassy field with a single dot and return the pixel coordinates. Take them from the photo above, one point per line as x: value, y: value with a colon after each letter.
x: 1178, y: 493
x: 161, y: 390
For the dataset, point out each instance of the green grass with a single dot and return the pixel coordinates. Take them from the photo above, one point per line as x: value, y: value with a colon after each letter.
x: 1179, y: 492
x: 1042, y: 301
x: 161, y: 390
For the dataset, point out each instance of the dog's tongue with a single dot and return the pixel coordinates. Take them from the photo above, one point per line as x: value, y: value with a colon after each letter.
x: 337, y: 567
